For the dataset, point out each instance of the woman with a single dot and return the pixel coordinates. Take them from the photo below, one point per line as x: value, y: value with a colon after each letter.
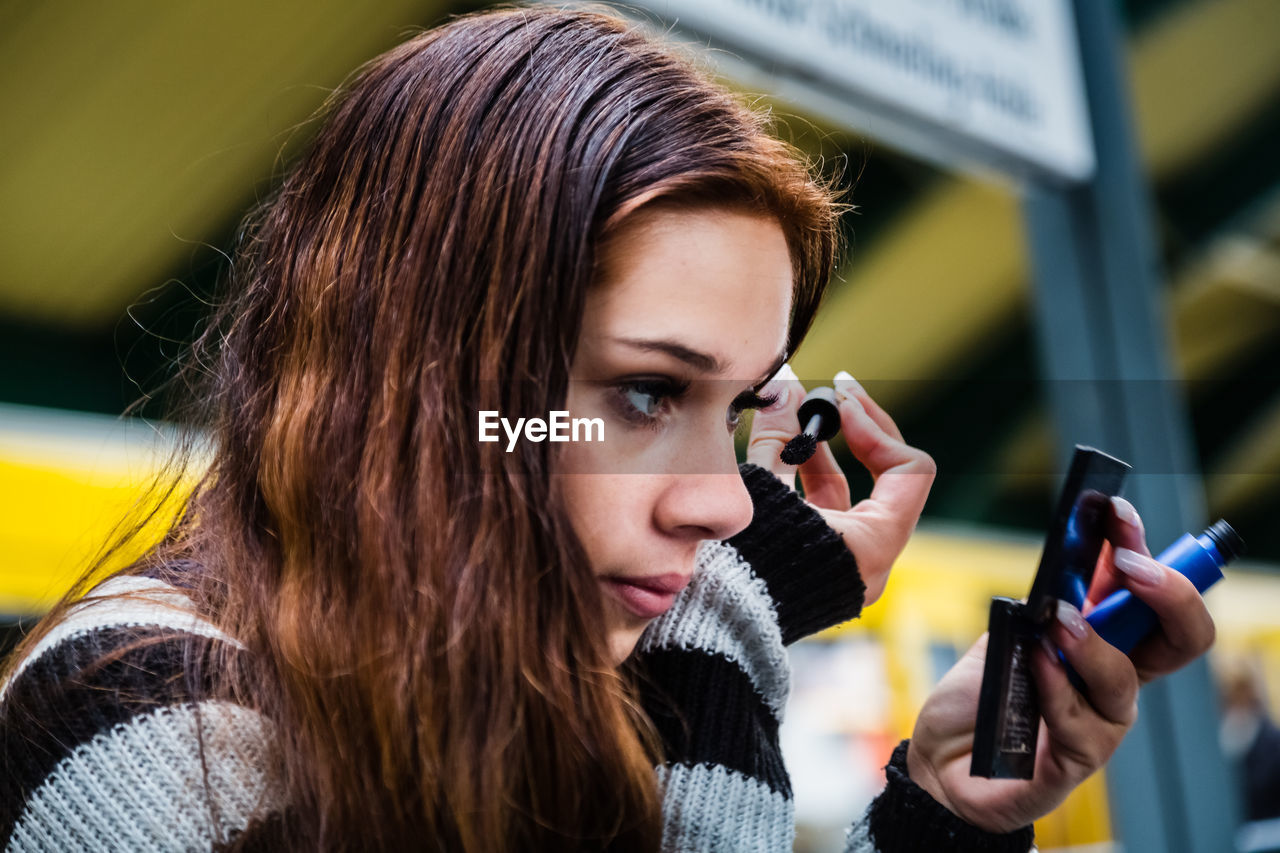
x: 371, y: 629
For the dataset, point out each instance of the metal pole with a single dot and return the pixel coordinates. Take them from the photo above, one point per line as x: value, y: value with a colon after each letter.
x: 1106, y: 354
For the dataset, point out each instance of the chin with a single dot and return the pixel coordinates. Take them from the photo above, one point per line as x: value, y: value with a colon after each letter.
x: 622, y: 642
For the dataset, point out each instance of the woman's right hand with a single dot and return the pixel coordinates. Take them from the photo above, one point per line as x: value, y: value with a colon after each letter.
x: 875, y: 529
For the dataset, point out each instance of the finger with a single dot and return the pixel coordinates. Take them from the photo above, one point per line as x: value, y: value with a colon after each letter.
x: 1077, y: 739
x: 825, y: 484
x: 848, y: 386
x: 1186, y: 629
x: 1111, y: 681
x: 902, y: 474
x: 877, y: 528
x: 1123, y: 528
x: 1067, y: 717
x: 773, y: 427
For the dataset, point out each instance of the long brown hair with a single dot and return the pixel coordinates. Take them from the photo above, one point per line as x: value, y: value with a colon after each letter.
x: 420, y: 617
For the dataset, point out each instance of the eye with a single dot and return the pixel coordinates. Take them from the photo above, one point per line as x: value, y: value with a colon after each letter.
x: 747, y: 400
x: 644, y: 401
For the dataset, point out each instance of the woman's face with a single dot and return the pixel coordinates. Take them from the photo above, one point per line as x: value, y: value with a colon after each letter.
x: 689, y: 316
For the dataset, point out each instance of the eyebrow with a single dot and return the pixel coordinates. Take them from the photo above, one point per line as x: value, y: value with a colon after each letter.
x: 700, y: 361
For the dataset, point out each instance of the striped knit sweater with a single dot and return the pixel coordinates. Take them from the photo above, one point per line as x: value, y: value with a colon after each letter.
x: 106, y: 757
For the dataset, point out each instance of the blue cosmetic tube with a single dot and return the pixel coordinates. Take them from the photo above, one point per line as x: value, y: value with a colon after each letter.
x: 1124, y: 621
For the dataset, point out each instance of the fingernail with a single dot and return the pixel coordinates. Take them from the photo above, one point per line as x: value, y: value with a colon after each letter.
x: 1140, y: 568
x: 780, y: 385
x: 1071, y: 619
x: 1125, y: 511
x: 1050, y: 649
x: 846, y: 385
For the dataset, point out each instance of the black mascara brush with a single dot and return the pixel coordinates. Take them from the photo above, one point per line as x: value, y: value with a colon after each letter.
x: 821, y: 419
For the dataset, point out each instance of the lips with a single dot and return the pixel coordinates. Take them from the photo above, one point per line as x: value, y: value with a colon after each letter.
x: 647, y: 597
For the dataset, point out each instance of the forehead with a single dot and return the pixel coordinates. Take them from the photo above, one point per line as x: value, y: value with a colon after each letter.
x: 718, y: 281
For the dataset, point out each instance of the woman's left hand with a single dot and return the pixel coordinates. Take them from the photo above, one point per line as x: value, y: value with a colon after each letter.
x: 875, y: 529
x: 1079, y: 733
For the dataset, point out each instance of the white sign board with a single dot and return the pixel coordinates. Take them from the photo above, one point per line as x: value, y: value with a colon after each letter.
x: 1001, y: 75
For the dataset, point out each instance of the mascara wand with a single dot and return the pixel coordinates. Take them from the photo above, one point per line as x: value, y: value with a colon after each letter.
x: 821, y: 419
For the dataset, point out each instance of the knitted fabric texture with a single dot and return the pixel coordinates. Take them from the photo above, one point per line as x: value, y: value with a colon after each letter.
x: 115, y: 756
x: 905, y: 817
x: 103, y: 746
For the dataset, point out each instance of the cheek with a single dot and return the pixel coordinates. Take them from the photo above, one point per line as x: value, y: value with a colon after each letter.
x: 606, y: 513
x: 603, y: 510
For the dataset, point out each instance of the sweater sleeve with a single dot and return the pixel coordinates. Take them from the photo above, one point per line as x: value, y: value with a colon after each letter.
x: 809, y: 573
x: 715, y: 678
x: 904, y: 818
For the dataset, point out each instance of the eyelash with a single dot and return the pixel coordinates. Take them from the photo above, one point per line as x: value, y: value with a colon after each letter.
x: 668, y: 389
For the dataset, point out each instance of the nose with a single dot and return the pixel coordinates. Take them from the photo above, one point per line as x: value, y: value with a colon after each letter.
x: 704, y: 505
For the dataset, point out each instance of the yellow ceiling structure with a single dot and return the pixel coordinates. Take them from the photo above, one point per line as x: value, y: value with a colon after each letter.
x: 132, y: 132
